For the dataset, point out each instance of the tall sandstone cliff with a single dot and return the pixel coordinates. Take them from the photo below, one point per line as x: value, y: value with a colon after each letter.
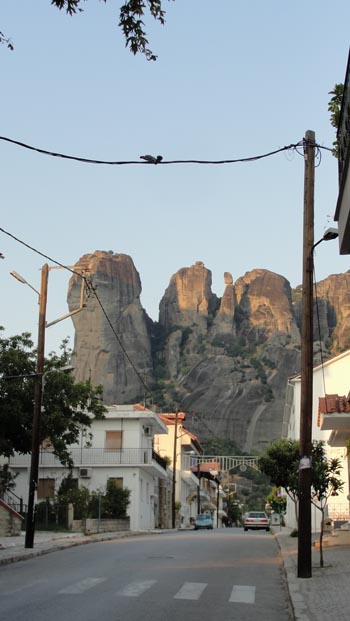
x: 225, y: 361
x: 97, y: 352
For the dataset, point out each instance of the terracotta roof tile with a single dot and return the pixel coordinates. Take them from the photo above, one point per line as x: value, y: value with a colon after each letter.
x: 332, y: 404
x: 169, y: 418
x: 140, y: 408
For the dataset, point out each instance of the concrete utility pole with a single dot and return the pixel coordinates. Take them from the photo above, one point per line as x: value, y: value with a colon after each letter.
x: 304, y: 535
x: 34, y: 464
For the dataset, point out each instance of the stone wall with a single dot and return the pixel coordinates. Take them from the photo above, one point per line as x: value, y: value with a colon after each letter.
x: 91, y: 526
x: 10, y: 521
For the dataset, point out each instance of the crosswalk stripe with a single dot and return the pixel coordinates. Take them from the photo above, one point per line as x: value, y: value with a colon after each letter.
x: 137, y: 588
x: 191, y: 590
x: 80, y: 587
x: 240, y: 594
x: 243, y: 594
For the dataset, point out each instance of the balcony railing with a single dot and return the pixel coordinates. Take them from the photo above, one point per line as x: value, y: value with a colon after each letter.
x: 96, y: 457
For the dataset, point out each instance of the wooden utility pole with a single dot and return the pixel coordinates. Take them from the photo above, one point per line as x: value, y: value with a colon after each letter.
x: 173, y: 495
x: 199, y: 487
x: 304, y: 527
x: 34, y: 464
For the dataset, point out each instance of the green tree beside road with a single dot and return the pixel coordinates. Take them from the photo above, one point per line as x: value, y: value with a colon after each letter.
x: 68, y: 407
x: 326, y: 482
x: 281, y: 464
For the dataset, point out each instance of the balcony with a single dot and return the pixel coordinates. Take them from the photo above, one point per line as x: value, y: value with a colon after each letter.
x: 94, y: 457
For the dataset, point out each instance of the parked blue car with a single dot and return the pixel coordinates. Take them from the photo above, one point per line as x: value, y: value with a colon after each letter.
x: 203, y: 521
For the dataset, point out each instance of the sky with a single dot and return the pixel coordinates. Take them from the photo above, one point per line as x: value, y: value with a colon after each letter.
x: 233, y: 79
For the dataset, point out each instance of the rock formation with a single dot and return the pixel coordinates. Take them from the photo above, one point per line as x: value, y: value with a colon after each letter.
x: 98, y: 354
x: 225, y: 362
x: 231, y: 377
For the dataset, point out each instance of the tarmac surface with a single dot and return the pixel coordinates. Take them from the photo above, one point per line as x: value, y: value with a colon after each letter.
x: 323, y: 596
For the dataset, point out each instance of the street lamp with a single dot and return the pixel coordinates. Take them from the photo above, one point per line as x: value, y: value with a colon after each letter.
x: 305, y: 465
x: 34, y: 462
x: 328, y: 235
x: 20, y: 278
x: 38, y: 392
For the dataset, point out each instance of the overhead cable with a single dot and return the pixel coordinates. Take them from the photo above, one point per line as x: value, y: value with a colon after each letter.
x: 150, y: 159
x: 92, y: 290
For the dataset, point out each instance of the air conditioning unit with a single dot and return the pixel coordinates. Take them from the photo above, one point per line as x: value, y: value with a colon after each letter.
x: 85, y: 473
x: 148, y: 431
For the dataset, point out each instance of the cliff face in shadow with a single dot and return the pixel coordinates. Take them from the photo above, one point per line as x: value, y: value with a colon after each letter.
x: 224, y: 361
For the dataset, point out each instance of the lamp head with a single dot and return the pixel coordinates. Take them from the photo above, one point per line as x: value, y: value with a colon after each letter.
x: 18, y: 277
x: 330, y: 234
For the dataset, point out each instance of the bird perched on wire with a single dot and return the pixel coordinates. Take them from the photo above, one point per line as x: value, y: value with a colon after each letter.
x: 151, y: 159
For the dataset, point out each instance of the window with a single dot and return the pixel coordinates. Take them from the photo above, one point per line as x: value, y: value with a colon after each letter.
x: 113, y: 440
x: 46, y: 488
x: 118, y: 482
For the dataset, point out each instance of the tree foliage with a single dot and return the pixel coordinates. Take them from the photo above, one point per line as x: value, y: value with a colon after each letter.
x: 281, y: 464
x: 131, y: 16
x: 5, y: 41
x: 334, y: 107
x: 7, y: 480
x: 111, y: 504
x: 326, y: 482
x: 67, y: 406
x: 277, y: 502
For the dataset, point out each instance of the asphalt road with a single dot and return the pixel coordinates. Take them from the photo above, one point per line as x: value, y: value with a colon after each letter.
x: 196, y: 575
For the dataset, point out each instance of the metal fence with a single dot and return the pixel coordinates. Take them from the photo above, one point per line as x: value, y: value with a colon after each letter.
x: 51, y: 516
x: 95, y: 457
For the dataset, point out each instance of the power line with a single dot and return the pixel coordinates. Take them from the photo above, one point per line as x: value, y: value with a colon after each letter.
x: 158, y: 160
x: 92, y: 290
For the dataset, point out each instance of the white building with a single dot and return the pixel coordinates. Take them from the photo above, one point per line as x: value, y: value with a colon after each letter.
x: 331, y: 377
x: 121, y: 449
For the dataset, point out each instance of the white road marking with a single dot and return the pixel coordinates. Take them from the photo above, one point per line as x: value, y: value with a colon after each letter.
x: 191, y: 590
x: 137, y: 588
x: 243, y: 594
x: 80, y: 587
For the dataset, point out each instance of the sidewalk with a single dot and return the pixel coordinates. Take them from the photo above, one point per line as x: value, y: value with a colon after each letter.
x: 326, y: 595
x: 12, y: 548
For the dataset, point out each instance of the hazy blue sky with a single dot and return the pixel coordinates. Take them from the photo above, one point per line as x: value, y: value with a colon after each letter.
x: 233, y: 79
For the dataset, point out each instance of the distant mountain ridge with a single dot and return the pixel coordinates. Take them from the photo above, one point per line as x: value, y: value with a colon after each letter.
x: 224, y: 361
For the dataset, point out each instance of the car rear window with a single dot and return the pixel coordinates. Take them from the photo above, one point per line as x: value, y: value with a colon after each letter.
x: 255, y: 514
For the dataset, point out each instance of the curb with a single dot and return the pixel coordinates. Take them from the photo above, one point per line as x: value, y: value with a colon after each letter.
x: 71, y: 543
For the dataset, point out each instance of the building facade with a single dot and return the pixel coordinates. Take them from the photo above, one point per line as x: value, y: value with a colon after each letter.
x: 329, y: 378
x: 119, y: 448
